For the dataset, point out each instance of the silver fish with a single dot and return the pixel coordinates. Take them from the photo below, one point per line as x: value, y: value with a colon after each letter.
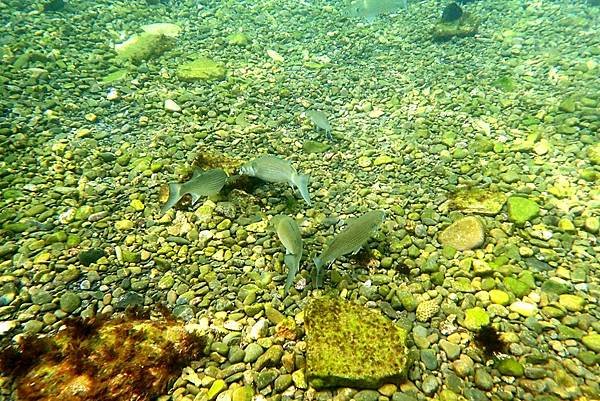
x: 320, y: 120
x: 289, y: 234
x: 370, y: 9
x: 350, y: 240
x: 273, y: 169
x: 201, y: 184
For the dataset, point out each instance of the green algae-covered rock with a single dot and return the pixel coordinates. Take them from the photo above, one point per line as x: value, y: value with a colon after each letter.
x: 592, y: 341
x: 238, y: 39
x: 521, y: 210
x: 477, y: 200
x: 114, y: 76
x: 593, y: 153
x: 463, y: 234
x: 143, y: 47
x: 510, y: 367
x: 466, y: 25
x: 517, y: 287
x: 350, y: 345
x: 476, y: 318
x: 201, y: 69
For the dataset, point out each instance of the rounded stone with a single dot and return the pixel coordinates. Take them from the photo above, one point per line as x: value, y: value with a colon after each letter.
x: 69, y: 301
x: 499, y: 297
x: 475, y: 318
x: 521, y: 210
x: 466, y: 233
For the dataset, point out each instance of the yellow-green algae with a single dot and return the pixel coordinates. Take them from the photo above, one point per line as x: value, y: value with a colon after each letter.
x: 201, y: 69
x: 350, y: 345
x: 477, y: 200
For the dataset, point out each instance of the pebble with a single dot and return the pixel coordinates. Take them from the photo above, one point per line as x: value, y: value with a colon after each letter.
x: 572, y: 303
x: 483, y: 379
x: 510, y: 367
x: 171, y: 106
x: 253, y: 351
x: 69, y: 302
x: 33, y: 326
x: 475, y: 318
x: 452, y: 350
x: 525, y: 309
x: 244, y: 393
x: 271, y: 357
x: 466, y: 233
x: 430, y: 384
x: 259, y: 329
x: 265, y: 378
x: 463, y: 367
x: 282, y: 383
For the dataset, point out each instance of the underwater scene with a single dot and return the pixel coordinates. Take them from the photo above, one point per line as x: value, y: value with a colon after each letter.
x: 237, y: 200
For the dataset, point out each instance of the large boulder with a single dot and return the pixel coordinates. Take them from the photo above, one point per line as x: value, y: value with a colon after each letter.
x: 350, y: 345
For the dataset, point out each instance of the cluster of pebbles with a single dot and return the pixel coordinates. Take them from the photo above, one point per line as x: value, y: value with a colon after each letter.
x: 87, y: 141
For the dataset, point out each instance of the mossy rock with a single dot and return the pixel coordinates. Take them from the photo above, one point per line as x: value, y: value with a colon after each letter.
x: 505, y: 83
x: 350, y: 345
x: 201, y: 69
x: 593, y: 154
x: 114, y: 76
x: 238, y: 39
x: 143, y: 47
x: 466, y: 25
x: 522, y: 210
x: 477, y: 200
x: 96, y: 356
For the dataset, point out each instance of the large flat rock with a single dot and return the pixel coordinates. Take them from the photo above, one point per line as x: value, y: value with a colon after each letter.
x: 350, y: 345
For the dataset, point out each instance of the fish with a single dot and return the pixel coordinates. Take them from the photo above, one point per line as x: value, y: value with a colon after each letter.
x: 273, y: 169
x: 350, y: 240
x: 205, y: 183
x: 320, y: 120
x: 370, y: 9
x: 289, y: 234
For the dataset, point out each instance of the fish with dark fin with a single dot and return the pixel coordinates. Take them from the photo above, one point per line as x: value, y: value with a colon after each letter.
x: 452, y: 12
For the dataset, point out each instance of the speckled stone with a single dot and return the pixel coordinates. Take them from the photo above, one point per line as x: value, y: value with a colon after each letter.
x: 340, y: 333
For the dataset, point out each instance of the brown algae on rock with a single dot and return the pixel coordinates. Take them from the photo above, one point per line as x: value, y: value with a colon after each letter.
x: 127, y: 358
x: 350, y: 345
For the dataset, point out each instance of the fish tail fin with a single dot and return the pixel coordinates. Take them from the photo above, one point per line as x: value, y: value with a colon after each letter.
x: 174, y: 197
x: 301, y: 182
x: 318, y: 272
x: 195, y: 198
x: 293, y: 264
